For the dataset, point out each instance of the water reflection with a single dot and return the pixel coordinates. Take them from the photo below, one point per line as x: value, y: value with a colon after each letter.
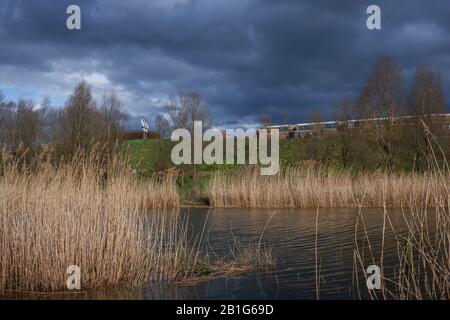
x: 291, y: 234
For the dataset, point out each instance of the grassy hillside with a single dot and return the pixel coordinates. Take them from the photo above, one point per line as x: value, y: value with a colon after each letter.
x: 358, y: 153
x: 148, y: 156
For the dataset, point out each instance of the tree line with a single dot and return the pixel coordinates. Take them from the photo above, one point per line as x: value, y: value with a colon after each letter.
x: 26, y: 127
x: 400, y: 136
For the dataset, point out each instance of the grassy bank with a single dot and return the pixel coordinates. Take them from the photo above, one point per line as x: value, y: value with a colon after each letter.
x: 300, y: 183
x: 148, y: 156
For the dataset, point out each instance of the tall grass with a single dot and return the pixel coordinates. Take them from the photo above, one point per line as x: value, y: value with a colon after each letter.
x: 89, y: 213
x: 95, y: 213
x: 423, y: 267
x: 310, y: 187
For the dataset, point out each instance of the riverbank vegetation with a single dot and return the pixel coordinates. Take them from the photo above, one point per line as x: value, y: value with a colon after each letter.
x: 310, y: 187
x: 343, y: 160
x: 66, y: 201
x: 95, y: 213
x: 84, y: 212
x: 421, y: 270
x: 300, y: 182
x: 423, y: 267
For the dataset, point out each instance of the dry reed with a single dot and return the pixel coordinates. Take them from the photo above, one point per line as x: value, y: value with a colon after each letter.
x: 423, y: 267
x: 88, y: 213
x: 98, y: 215
x: 307, y: 187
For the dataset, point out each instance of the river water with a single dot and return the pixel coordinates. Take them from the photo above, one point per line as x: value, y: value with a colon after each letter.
x: 292, y: 235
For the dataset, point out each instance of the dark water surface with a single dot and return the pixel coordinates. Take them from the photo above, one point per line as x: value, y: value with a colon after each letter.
x: 291, y: 234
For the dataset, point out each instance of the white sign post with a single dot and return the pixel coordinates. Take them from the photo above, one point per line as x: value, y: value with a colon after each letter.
x: 145, y: 126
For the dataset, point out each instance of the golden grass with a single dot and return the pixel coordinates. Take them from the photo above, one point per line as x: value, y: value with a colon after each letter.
x: 423, y: 268
x: 86, y: 213
x: 97, y: 214
x: 307, y: 187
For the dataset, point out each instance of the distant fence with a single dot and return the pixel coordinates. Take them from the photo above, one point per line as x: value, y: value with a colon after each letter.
x: 301, y: 130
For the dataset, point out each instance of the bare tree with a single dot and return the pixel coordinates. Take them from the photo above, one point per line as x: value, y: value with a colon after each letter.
x: 197, y: 109
x: 265, y: 120
x: 81, y: 123
x: 316, y: 117
x: 47, y: 121
x: 383, y: 95
x: 426, y: 100
x: 113, y: 117
x: 51, y: 123
x: 162, y: 126
x: 78, y: 121
x: 284, y: 117
x: 382, y: 98
x: 186, y: 108
x: 342, y: 113
x: 178, y: 113
x: 7, y: 121
x: 427, y: 96
x: 28, y: 128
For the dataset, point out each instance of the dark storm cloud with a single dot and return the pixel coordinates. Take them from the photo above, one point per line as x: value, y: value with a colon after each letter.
x: 245, y: 57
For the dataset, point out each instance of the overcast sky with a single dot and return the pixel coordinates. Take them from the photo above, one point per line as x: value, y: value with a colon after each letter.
x: 246, y: 57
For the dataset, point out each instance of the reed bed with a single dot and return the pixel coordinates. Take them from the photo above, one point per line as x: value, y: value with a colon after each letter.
x: 422, y: 270
x: 88, y: 213
x: 423, y: 267
x: 311, y: 187
x: 95, y: 213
